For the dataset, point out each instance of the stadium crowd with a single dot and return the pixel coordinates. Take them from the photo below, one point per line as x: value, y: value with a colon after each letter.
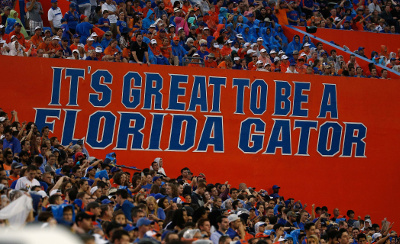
x: 227, y: 34
x: 48, y: 184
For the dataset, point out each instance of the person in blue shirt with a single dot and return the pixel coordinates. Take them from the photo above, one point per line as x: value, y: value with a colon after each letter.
x: 104, y: 23
x: 178, y: 50
x: 123, y: 203
x: 83, y: 29
x: 65, y: 48
x: 275, y: 190
x: 203, y: 50
x: 11, y: 142
x: 293, y: 16
x: 234, y: 223
x: 65, y: 29
x: 72, y: 17
x: 92, y: 56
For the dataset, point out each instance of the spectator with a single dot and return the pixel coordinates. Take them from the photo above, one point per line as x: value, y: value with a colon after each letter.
x: 35, y: 11
x: 54, y: 16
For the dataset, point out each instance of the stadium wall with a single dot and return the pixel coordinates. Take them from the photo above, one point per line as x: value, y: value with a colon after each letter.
x: 324, y: 140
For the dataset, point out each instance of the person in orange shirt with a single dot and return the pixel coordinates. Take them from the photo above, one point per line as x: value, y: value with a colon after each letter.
x: 284, y: 63
x: 55, y: 45
x: 252, y: 65
x: 214, y: 49
x: 210, y: 61
x: 157, y: 53
x: 160, y: 36
x: 166, y: 50
x: 75, y: 43
x: 112, y: 48
x: 45, y: 46
x: 18, y: 34
x: 300, y: 67
x: 196, y: 61
x: 281, y: 12
x: 226, y: 49
x: 226, y: 64
x: 89, y: 43
x: 15, y: 172
x: 37, y: 37
x: 147, y: 8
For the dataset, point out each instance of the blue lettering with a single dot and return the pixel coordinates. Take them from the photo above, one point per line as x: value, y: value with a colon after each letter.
x: 282, y: 94
x: 199, y: 95
x: 56, y: 89
x: 154, y: 83
x: 125, y: 129
x: 354, y: 134
x: 251, y: 142
x: 156, y: 131
x: 175, y: 91
x: 212, y: 135
x: 241, y: 84
x: 216, y: 82
x: 324, y: 131
x: 258, y: 97
x: 97, y: 86
x: 69, y: 126
x: 131, y: 96
x: 300, y: 98
x: 304, y: 137
x: 75, y: 74
x: 41, y: 117
x: 94, y: 129
x: 177, y: 131
x: 329, y: 102
x: 280, y: 138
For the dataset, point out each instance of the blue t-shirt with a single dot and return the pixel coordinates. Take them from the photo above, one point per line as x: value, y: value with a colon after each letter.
x: 102, y: 21
x: 65, y: 29
x: 293, y: 15
x: 122, y: 25
x: 203, y: 54
x: 13, y: 144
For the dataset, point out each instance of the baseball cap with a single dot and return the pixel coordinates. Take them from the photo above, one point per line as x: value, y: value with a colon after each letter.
x: 263, y: 50
x: 106, y: 201
x: 90, y: 39
x: 281, y: 52
x: 85, y: 215
x: 247, y: 44
x: 36, y: 28
x: 261, y: 235
x: 2, y: 26
x: 108, y: 33
x: 376, y: 236
x: 276, y: 186
x: 99, y: 50
x: 228, y: 42
x: 81, y: 45
x: 361, y: 48
x: 176, y: 38
x: 54, y: 1
x: 156, y: 178
x: 2, y: 41
x: 211, y: 55
x: 291, y: 214
x: 205, y: 28
x: 233, y: 218
x: 272, y: 51
x: 83, y: 17
x: 239, y: 36
x: 203, y: 45
x: 259, y: 62
x: 260, y: 39
x: 250, y: 51
x: 93, y: 190
x: 236, y: 58
x: 283, y: 57
x: 72, y: 5
x: 56, y: 38
x: 16, y: 165
x: 143, y: 221
x: 93, y: 34
x: 153, y: 41
x: 295, y: 52
x: 216, y: 45
x: 195, y: 55
x: 152, y: 26
x: 307, y: 44
x: 18, y: 24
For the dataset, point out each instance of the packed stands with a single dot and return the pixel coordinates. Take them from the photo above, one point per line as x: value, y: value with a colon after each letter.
x: 240, y: 35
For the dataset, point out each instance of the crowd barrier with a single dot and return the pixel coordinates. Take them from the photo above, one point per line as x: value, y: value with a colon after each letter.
x: 325, y: 140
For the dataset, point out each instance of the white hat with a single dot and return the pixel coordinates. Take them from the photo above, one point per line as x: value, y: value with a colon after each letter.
x: 2, y: 41
x: 152, y: 26
x: 236, y: 58
x: 94, y: 34
x: 281, y: 52
x: 259, y: 62
x: 260, y: 39
x: 42, y: 193
x: 266, y: 64
x: 233, y: 218
x: 153, y: 41
x: 282, y: 239
x: 196, y: 54
x: 272, y: 51
x: 2, y: 26
x: 90, y: 39
x: 206, y: 28
x: 176, y: 10
x: 284, y: 57
x: 216, y: 45
x: 337, y: 19
x: 93, y: 190
x: 99, y: 50
x: 307, y: 44
x: 277, y: 59
x: 56, y: 38
x: 263, y: 50
x: 37, y: 27
x: 171, y: 25
x: 81, y: 45
x: 376, y: 236
x: 75, y: 51
x: 250, y: 51
x: 252, y: 45
x: 247, y: 44
x: 228, y: 42
x: 180, y: 28
x: 239, y: 36
x: 303, y: 54
x: 189, y: 40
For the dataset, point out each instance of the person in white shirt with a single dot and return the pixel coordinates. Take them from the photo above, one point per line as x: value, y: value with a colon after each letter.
x: 28, y: 181
x: 54, y: 16
x: 111, y: 7
x: 292, y: 68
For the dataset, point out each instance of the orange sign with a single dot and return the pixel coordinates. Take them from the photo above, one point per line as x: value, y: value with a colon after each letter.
x: 325, y: 140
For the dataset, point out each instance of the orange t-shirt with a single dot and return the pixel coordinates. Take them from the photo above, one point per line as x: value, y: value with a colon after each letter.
x: 36, y: 40
x: 12, y: 179
x: 281, y: 16
x: 87, y: 48
x: 126, y: 53
x: 222, y: 65
x: 156, y: 50
x: 44, y: 46
x: 73, y: 47
x: 225, y: 51
x: 110, y: 51
x: 166, y: 52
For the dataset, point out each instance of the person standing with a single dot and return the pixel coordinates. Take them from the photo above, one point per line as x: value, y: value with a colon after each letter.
x: 111, y: 7
x: 35, y: 10
x: 54, y: 16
